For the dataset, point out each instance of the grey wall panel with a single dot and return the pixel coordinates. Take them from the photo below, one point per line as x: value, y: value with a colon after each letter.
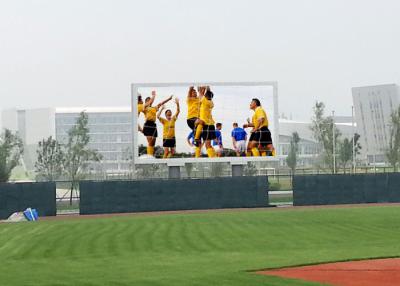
x: 163, y: 195
x: 19, y: 196
x: 346, y: 189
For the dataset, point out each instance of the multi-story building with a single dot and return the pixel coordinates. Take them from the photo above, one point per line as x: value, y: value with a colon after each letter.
x: 373, y: 106
x: 110, y: 131
x: 308, y: 147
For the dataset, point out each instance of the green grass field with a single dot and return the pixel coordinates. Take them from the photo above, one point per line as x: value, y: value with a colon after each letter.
x: 192, y: 249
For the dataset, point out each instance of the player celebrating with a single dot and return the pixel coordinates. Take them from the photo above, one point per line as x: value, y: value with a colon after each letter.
x: 140, y: 105
x: 140, y: 109
x: 150, y: 127
x: 260, y: 135
x: 239, y: 138
x: 207, y: 124
x: 199, y: 123
x: 169, y: 142
x: 193, y: 104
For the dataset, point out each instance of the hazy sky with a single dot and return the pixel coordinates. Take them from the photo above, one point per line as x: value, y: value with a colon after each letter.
x: 86, y: 53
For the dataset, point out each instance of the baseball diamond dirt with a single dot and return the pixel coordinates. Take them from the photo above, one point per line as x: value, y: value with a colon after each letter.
x: 375, y: 272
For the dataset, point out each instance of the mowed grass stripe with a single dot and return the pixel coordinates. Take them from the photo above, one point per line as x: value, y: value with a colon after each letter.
x: 192, y: 249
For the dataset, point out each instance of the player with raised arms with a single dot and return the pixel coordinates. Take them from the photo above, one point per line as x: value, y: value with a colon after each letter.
x: 207, y: 122
x: 260, y: 135
x: 140, y: 109
x: 169, y: 141
x: 150, y: 127
x: 199, y: 122
x: 193, y: 106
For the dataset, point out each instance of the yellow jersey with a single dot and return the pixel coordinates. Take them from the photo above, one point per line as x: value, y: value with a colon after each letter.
x: 259, y: 112
x: 205, y: 111
x: 150, y: 113
x: 193, y: 104
x: 169, y: 127
x: 140, y: 108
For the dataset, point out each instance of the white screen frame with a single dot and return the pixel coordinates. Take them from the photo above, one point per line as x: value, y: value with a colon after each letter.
x: 181, y: 161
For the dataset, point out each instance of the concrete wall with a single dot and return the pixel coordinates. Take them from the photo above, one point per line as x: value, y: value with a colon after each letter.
x: 18, y: 197
x: 164, y: 195
x: 346, y: 189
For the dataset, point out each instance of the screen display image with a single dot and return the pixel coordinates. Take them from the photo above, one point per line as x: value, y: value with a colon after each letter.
x: 190, y: 122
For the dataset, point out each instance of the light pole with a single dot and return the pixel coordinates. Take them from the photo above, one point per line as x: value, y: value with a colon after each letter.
x: 334, y: 142
x: 354, y: 143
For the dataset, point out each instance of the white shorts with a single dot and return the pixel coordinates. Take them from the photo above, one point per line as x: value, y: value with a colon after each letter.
x: 241, y: 146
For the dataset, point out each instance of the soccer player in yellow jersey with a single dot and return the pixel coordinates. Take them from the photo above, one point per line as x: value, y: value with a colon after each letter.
x: 169, y: 142
x: 150, y: 127
x: 140, y: 109
x: 199, y: 123
x: 193, y: 104
x: 207, y: 122
x: 260, y: 137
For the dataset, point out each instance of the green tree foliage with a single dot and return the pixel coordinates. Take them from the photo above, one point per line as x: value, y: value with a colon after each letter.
x: 250, y: 169
x: 50, y: 159
x: 148, y: 171
x: 11, y: 149
x: 217, y: 169
x: 322, y: 128
x: 77, y: 154
x: 291, y: 159
x: 189, y: 169
x: 346, y: 150
x: 393, y: 150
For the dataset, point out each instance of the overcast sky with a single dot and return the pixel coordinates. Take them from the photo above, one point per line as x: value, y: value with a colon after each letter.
x: 86, y: 53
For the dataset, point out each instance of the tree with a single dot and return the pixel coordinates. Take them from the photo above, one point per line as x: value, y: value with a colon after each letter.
x: 322, y: 128
x: 148, y: 171
x: 346, y: 150
x: 217, y: 169
x: 77, y: 154
x: 393, y: 151
x: 11, y: 149
x: 189, y: 169
x: 250, y: 169
x: 50, y: 159
x: 291, y: 159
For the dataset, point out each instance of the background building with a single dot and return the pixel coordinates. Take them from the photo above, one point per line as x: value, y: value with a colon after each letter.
x: 308, y: 147
x: 109, y: 130
x: 373, y: 106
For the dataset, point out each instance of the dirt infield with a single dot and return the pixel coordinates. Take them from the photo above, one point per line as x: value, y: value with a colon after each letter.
x: 377, y: 272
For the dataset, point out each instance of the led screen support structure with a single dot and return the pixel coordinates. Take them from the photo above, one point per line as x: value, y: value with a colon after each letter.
x: 231, y: 104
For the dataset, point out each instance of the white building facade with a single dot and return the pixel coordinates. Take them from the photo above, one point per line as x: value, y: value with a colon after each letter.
x: 373, y: 106
x: 110, y: 131
x: 308, y: 147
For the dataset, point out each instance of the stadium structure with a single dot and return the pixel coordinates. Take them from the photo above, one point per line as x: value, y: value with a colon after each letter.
x: 111, y: 133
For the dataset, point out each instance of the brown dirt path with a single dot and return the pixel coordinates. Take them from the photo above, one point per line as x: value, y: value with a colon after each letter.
x: 377, y: 272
